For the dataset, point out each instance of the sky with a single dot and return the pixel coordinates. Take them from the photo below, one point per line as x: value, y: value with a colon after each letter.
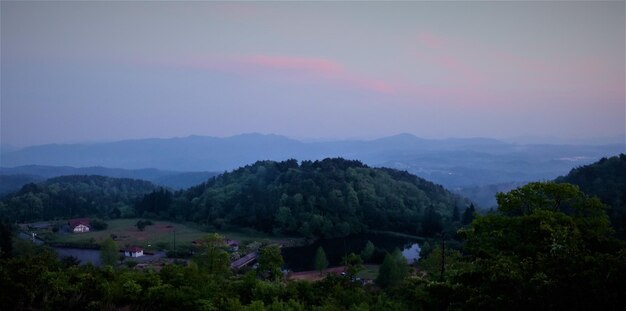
x: 104, y: 71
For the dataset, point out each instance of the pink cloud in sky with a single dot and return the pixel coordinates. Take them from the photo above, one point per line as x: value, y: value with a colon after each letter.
x: 316, y: 66
x: 474, y: 69
x: 450, y: 53
x: 429, y: 40
x: 443, y: 53
x: 291, y: 69
x: 457, y: 71
x: 320, y: 68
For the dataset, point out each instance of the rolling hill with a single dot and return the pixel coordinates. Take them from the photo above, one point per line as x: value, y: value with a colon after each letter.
x: 605, y: 179
x: 13, y: 178
x: 75, y: 196
x: 454, y: 163
x: 328, y: 198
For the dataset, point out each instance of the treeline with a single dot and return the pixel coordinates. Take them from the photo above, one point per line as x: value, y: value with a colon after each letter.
x: 547, y: 247
x: 328, y: 198
x: 75, y: 196
x: 40, y: 282
x: 605, y: 179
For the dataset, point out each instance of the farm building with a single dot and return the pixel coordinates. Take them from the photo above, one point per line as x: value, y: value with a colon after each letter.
x: 232, y: 245
x: 79, y: 224
x: 134, y: 251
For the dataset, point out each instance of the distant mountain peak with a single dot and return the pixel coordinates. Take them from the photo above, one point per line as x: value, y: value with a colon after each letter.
x: 404, y: 135
x: 402, y: 140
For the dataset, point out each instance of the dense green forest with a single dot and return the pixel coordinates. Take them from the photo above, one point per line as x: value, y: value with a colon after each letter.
x: 11, y: 183
x: 328, y: 198
x: 74, y: 196
x: 547, y: 247
x: 605, y: 179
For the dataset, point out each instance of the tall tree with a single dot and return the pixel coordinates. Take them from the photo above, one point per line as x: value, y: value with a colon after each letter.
x: 212, y: 258
x: 270, y: 262
x: 431, y: 263
x: 468, y: 215
x: 321, y: 262
x: 354, y: 264
x: 432, y: 222
x: 605, y: 179
x: 368, y: 251
x: 6, y: 240
x: 547, y: 242
x: 455, y: 213
x: 108, y: 252
x: 393, y: 270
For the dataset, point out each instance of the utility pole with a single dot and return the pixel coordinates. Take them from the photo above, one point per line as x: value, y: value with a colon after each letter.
x: 174, y: 239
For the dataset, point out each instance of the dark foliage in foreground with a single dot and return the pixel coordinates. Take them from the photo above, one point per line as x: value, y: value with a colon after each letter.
x: 548, y: 247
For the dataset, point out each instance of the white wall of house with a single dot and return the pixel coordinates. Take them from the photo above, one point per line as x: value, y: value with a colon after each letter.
x: 81, y: 228
x: 133, y: 254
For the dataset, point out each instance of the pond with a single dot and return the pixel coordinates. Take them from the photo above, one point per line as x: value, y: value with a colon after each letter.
x: 302, y: 258
x: 84, y: 255
x: 93, y: 255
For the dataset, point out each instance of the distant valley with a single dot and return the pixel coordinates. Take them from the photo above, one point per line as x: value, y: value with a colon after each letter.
x: 474, y: 167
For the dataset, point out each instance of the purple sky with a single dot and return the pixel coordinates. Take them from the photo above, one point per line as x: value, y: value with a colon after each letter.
x: 101, y: 71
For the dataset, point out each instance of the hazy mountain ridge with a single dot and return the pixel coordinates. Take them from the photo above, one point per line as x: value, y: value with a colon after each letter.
x: 13, y: 178
x: 454, y: 163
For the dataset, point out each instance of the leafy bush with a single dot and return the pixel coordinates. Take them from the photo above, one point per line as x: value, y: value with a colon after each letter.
x: 98, y: 225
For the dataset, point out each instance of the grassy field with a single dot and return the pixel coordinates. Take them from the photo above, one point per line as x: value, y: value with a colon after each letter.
x: 160, y: 234
x: 369, y: 272
x: 126, y: 232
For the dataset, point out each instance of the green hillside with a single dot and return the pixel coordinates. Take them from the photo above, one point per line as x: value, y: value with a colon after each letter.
x: 328, y: 198
x: 605, y: 179
x: 74, y: 196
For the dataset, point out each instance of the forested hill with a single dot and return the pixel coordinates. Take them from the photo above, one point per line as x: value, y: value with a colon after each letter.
x: 605, y: 179
x: 13, y: 178
x: 75, y: 196
x: 328, y: 198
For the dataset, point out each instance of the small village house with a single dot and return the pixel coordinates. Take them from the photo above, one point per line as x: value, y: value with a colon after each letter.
x: 134, y: 251
x: 79, y: 225
x: 233, y: 245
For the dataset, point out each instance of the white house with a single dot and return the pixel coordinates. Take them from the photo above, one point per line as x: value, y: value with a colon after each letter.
x: 79, y: 224
x: 134, y: 251
x: 81, y: 228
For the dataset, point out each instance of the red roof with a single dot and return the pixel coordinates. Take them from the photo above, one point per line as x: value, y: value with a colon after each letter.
x: 78, y: 221
x: 135, y: 249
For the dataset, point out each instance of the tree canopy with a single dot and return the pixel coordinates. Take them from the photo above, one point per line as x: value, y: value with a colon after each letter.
x: 270, y: 262
x: 108, y: 252
x: 548, y: 246
x: 75, y: 196
x: 605, y: 179
x: 328, y: 198
x: 393, y: 270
